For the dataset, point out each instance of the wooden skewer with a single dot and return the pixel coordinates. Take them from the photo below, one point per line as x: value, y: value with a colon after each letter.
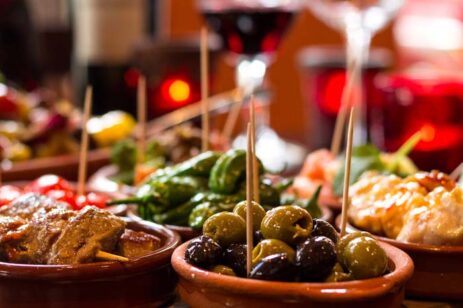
x: 346, y: 101
x: 204, y: 89
x: 255, y: 167
x: 249, y: 194
x: 110, y: 257
x: 84, y: 142
x: 233, y: 116
x: 345, y: 194
x: 141, y: 115
x: 454, y: 175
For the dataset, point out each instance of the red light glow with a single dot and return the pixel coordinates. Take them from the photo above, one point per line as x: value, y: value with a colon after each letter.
x: 176, y: 90
x: 331, y: 99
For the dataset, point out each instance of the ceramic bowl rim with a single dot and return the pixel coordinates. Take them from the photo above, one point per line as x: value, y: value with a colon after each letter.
x: 345, y: 291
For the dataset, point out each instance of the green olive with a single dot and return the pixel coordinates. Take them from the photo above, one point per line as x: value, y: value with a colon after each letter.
x: 258, y: 213
x: 364, y: 258
x: 289, y: 223
x: 223, y: 270
x: 271, y: 247
x: 225, y: 228
x: 338, y: 274
x: 342, y: 243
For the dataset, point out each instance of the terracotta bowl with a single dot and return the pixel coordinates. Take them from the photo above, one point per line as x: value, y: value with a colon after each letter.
x: 438, y: 269
x: 200, y: 288
x: 144, y: 281
x: 101, y: 181
x: 63, y: 165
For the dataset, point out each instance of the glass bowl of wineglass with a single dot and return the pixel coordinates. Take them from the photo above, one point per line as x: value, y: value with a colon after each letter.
x: 358, y: 21
x: 251, y: 31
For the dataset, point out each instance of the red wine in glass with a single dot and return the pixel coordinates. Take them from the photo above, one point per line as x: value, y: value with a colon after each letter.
x: 250, y: 31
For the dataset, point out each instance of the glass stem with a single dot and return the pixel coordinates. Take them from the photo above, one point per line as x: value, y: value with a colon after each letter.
x: 358, y: 45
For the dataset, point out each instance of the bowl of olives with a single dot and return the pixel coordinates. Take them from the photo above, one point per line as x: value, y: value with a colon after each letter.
x: 438, y: 271
x: 296, y: 261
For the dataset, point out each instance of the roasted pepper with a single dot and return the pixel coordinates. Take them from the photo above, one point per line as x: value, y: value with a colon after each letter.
x: 228, y: 170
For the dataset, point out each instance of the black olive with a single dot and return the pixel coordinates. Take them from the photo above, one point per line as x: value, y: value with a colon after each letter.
x: 203, y: 252
x: 275, y: 267
x: 324, y: 228
x: 258, y: 237
x: 316, y: 258
x: 235, y: 257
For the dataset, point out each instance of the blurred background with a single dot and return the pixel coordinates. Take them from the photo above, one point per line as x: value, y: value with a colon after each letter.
x: 412, y: 78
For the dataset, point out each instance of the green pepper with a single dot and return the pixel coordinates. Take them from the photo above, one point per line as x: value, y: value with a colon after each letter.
x: 311, y: 205
x: 268, y: 194
x: 228, y: 170
x: 173, y: 191
x: 205, y: 210
x: 200, y: 165
x: 175, y: 215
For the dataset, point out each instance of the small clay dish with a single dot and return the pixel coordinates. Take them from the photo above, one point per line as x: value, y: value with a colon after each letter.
x: 141, y: 282
x: 62, y: 165
x: 101, y: 181
x: 438, y: 269
x: 201, y: 288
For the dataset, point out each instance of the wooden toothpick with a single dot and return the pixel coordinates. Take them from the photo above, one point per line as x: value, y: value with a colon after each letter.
x: 457, y: 172
x: 255, y: 166
x: 84, y: 142
x: 346, y: 101
x: 141, y: 115
x: 345, y: 194
x: 249, y: 194
x: 233, y: 115
x: 204, y: 89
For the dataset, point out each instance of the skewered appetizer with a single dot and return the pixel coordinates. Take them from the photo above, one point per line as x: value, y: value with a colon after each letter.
x: 290, y: 246
x: 323, y: 168
x: 36, y: 229
x: 190, y: 192
x: 170, y: 148
x: 426, y: 207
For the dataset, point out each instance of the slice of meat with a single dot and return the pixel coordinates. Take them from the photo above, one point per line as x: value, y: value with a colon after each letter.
x: 91, y: 230
x: 29, y: 205
x: 134, y: 244
x: 42, y: 232
x: 12, y: 231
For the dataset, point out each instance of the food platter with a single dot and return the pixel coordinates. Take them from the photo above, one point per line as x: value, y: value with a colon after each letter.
x: 64, y: 165
x: 200, y: 288
x: 438, y: 269
x: 146, y: 280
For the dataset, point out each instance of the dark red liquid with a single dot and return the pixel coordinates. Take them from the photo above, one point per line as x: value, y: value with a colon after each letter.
x: 250, y: 32
x: 433, y: 107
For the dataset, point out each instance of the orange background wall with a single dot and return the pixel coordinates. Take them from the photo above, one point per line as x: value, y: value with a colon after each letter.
x: 287, y: 113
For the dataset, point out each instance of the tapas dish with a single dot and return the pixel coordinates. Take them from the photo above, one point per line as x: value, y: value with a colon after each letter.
x: 296, y: 262
x: 85, y: 256
x: 185, y: 195
x: 421, y: 214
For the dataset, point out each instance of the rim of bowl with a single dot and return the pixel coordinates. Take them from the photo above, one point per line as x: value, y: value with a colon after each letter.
x: 100, y: 270
x: 413, y: 247
x: 101, y: 181
x: 351, y: 290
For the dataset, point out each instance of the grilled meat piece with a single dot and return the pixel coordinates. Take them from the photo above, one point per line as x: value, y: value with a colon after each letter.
x: 32, y: 205
x: 134, y: 244
x: 88, y: 232
x: 41, y: 233
x: 12, y: 230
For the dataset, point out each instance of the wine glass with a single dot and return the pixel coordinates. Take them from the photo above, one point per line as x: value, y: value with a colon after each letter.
x: 358, y: 20
x: 251, y: 31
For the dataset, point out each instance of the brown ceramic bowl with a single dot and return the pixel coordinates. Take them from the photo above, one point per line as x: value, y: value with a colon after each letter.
x: 63, y: 165
x: 144, y: 281
x: 101, y: 181
x: 201, y: 288
x: 438, y: 269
